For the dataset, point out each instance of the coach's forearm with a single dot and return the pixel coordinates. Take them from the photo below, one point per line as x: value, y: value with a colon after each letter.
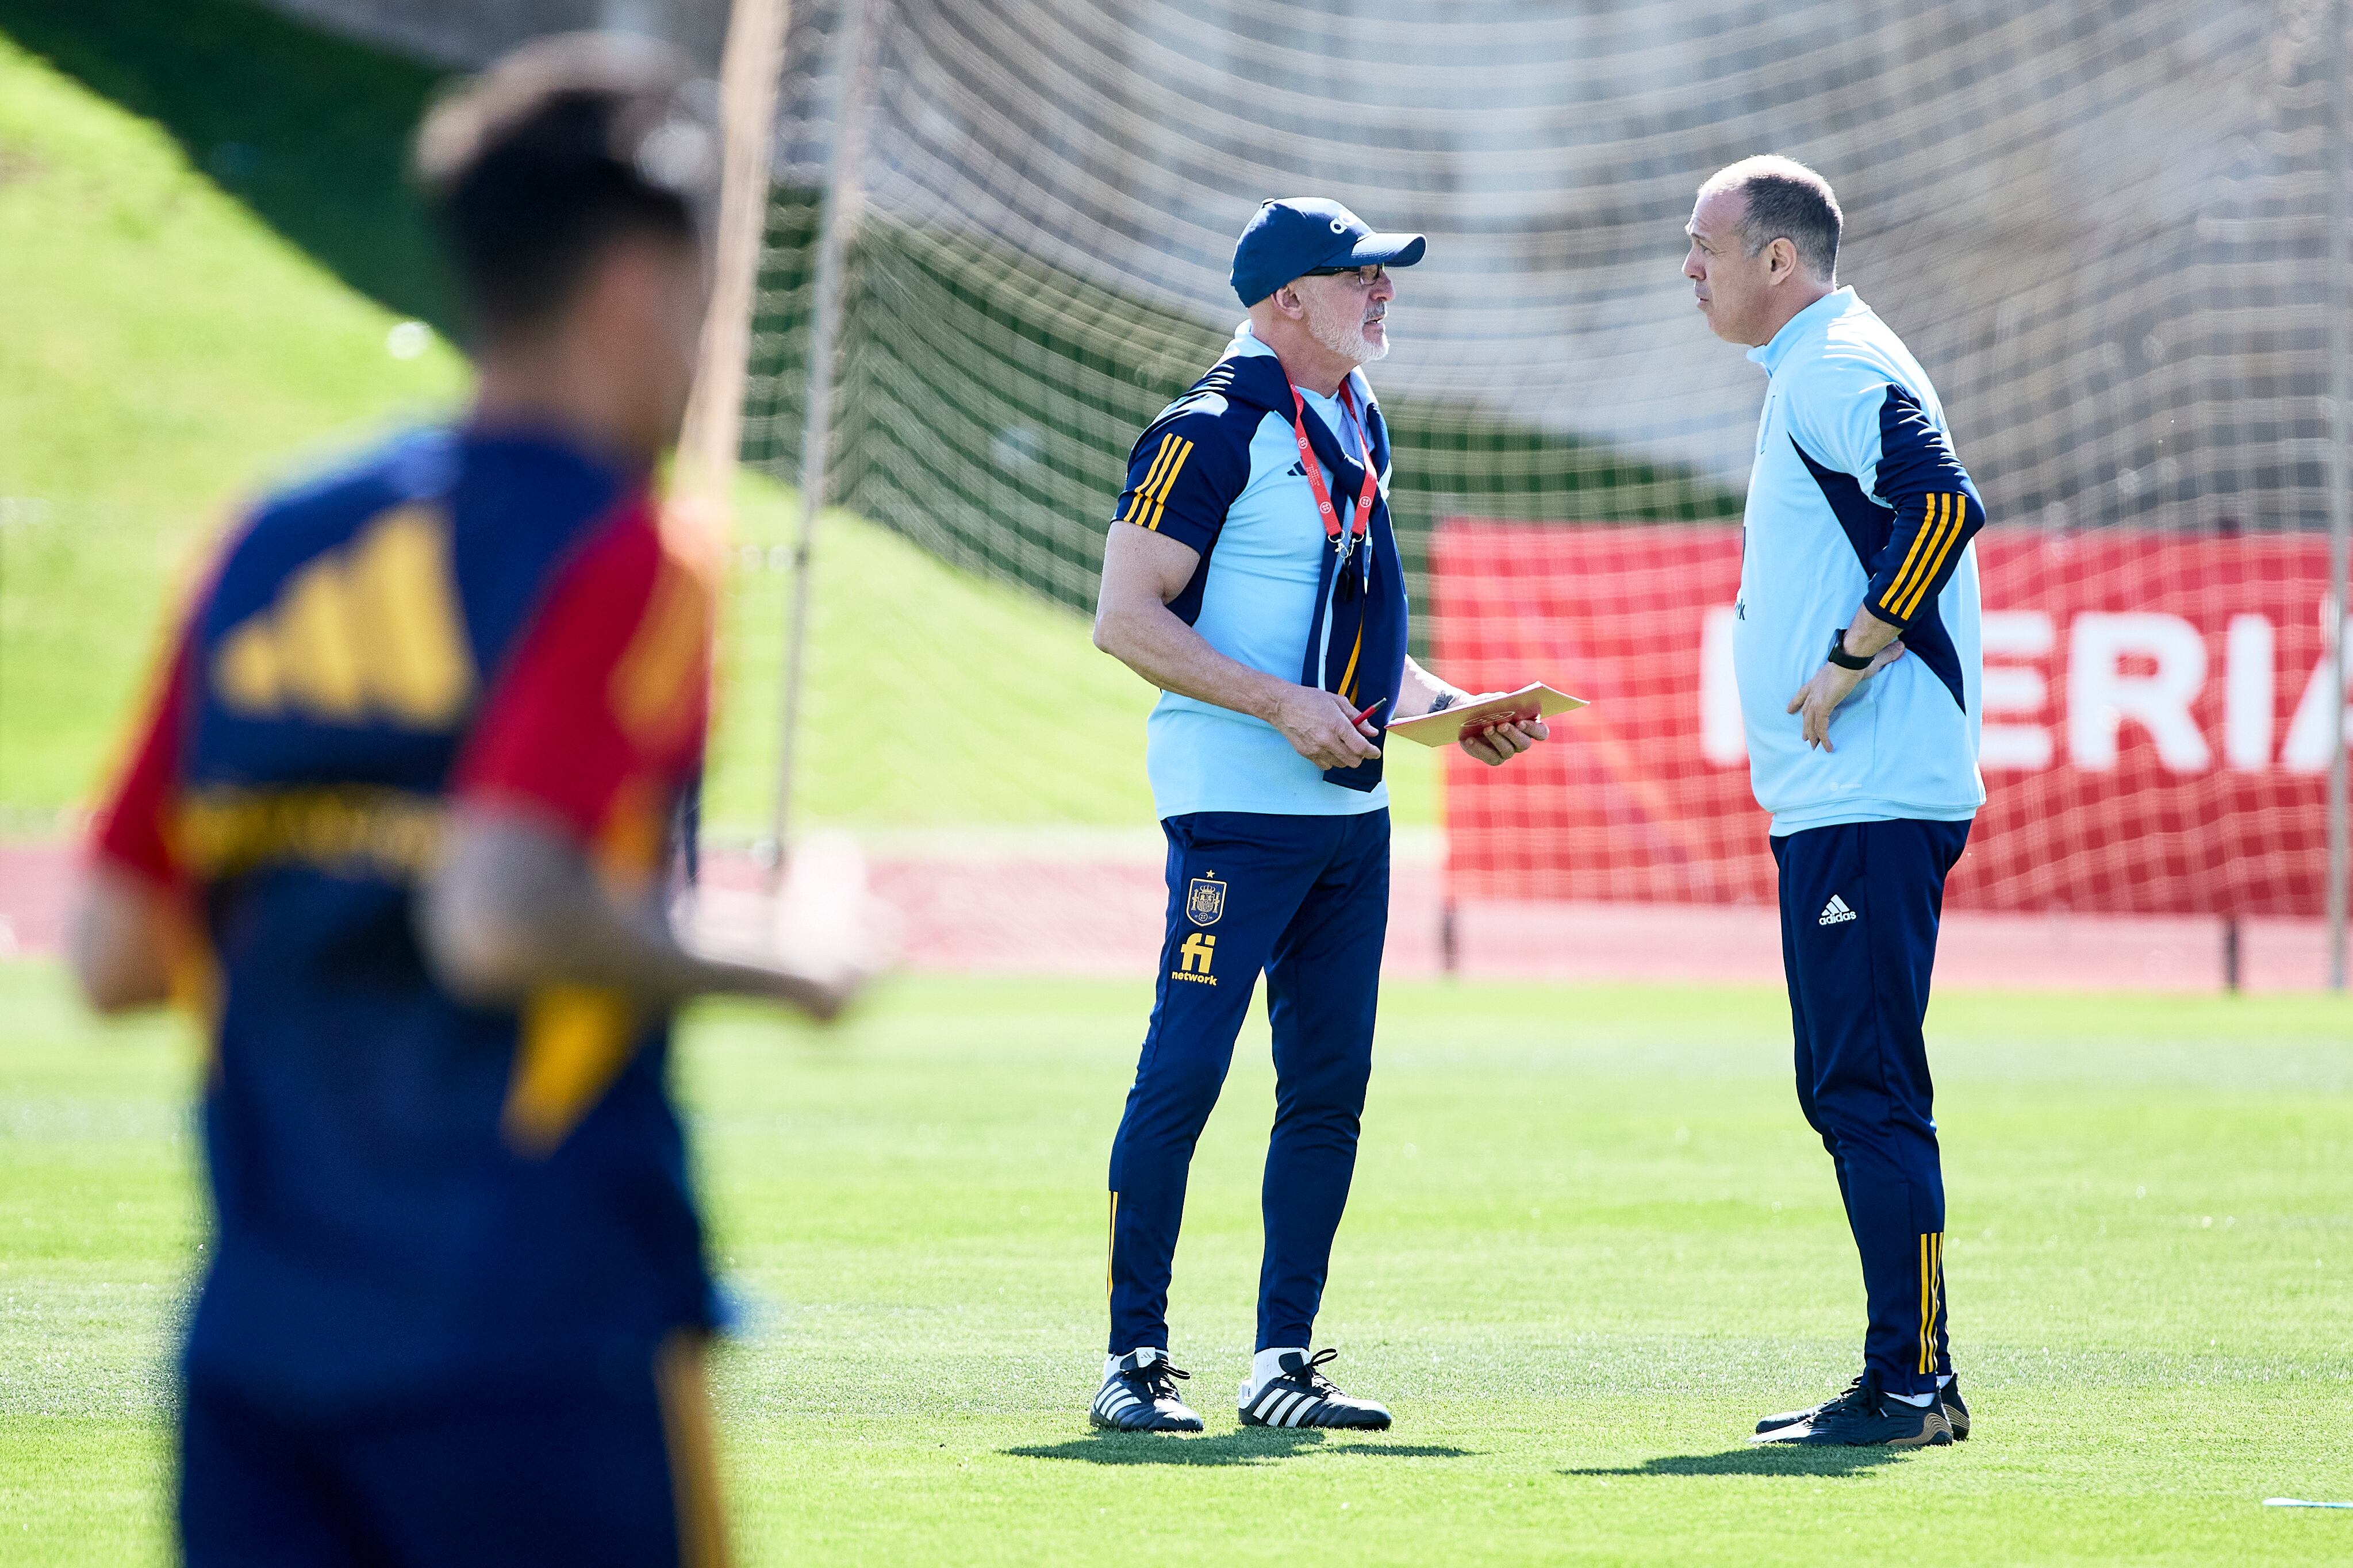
x: 1150, y: 640
x: 516, y: 907
x: 1867, y: 634
x: 1423, y: 692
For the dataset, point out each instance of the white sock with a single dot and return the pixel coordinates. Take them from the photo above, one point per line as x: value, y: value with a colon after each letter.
x: 1267, y: 1365
x: 1111, y: 1362
x: 1916, y: 1401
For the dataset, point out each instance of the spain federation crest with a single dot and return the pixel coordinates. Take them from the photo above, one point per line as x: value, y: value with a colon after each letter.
x: 1205, y: 900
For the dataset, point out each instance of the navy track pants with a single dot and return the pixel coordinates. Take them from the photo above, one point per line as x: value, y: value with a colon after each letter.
x: 615, y: 1470
x: 1859, y: 906
x: 1307, y: 899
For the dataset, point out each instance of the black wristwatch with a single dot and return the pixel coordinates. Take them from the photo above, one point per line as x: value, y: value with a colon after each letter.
x: 1843, y: 659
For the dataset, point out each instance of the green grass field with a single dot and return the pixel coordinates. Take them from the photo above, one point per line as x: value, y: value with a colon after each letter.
x: 1590, y: 1241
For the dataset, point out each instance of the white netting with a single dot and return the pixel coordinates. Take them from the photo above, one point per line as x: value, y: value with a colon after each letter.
x: 2101, y: 229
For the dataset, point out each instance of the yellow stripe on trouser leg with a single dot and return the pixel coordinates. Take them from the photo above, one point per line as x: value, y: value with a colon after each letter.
x: 683, y: 1387
x: 1111, y: 1243
x: 1936, y: 1282
x: 1927, y: 1303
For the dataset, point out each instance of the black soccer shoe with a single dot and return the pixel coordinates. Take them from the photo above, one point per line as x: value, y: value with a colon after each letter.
x: 1864, y: 1417
x: 1304, y: 1396
x: 1792, y: 1417
x: 1141, y: 1396
x: 1957, y: 1414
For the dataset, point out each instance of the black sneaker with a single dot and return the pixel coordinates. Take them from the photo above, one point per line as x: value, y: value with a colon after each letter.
x: 1864, y: 1417
x: 1140, y: 1396
x: 1791, y: 1417
x: 1957, y: 1414
x: 1304, y: 1396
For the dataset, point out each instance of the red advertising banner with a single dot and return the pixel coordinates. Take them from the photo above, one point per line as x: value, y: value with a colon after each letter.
x: 2156, y: 720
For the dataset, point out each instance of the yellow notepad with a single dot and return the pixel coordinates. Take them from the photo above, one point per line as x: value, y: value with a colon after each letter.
x: 1447, y: 725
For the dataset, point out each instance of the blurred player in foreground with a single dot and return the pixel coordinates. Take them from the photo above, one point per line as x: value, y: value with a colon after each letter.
x: 1858, y: 537
x: 1251, y: 575
x: 399, y: 824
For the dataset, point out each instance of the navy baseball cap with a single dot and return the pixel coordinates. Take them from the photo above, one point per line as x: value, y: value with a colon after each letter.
x: 1291, y: 237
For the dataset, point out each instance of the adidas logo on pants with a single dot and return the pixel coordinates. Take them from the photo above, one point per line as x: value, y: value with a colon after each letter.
x: 1835, y: 912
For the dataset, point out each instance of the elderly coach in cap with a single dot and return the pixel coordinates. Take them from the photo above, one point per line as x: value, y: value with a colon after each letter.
x: 1251, y: 575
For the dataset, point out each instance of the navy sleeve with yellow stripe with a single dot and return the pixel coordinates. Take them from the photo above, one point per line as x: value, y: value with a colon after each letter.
x: 1938, y: 509
x: 1183, y: 473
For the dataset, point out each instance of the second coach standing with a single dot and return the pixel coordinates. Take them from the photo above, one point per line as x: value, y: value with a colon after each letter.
x: 1251, y: 575
x: 1855, y: 641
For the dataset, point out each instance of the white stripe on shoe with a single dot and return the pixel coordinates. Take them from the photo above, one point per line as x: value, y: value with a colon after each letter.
x: 1301, y: 1396
x: 1140, y: 1396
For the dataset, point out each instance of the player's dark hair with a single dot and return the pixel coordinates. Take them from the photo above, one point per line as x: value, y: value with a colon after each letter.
x: 550, y: 154
x: 1786, y: 200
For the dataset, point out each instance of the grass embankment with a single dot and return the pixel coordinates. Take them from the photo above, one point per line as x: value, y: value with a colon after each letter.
x: 173, y: 346
x: 1590, y: 1241
x: 166, y: 351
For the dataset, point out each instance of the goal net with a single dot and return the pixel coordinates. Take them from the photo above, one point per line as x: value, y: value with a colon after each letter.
x: 2103, y: 230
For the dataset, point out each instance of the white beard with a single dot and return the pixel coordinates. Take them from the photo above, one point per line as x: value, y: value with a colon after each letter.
x: 1343, y: 333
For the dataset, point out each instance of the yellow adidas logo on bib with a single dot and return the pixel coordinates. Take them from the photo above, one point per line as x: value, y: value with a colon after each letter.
x: 368, y: 633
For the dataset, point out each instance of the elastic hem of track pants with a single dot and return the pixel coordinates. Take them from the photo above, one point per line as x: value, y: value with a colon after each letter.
x: 1806, y: 819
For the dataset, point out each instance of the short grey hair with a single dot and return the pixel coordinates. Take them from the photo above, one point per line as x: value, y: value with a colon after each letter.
x: 1785, y: 200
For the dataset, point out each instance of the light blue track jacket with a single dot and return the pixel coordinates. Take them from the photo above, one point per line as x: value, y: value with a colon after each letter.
x: 1857, y: 495
x: 1220, y: 471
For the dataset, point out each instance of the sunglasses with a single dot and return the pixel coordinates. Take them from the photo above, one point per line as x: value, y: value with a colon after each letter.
x: 1365, y: 276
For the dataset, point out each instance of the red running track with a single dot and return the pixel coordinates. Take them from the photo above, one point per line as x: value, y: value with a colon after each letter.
x: 1029, y: 912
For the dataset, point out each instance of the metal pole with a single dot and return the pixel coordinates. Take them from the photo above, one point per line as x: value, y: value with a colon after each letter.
x: 747, y: 110
x: 835, y: 224
x: 2340, y: 493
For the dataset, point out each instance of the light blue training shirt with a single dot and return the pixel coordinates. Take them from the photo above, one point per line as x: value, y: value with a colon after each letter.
x: 1856, y: 495
x: 1258, y: 601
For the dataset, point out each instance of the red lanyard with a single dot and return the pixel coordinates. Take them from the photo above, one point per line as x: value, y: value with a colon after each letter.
x: 1362, y: 520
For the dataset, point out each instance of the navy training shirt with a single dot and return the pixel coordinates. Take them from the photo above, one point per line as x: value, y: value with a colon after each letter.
x: 412, y: 1195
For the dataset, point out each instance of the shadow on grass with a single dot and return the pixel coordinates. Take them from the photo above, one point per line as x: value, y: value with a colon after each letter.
x: 1767, y: 1460
x: 1245, y: 1447
x: 309, y: 130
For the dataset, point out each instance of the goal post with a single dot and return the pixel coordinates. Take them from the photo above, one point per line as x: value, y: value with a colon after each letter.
x: 711, y: 442
x: 2116, y: 240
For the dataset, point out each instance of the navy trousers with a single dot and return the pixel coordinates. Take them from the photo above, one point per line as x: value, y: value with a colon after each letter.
x: 617, y: 1471
x: 1859, y: 904
x: 1307, y: 899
